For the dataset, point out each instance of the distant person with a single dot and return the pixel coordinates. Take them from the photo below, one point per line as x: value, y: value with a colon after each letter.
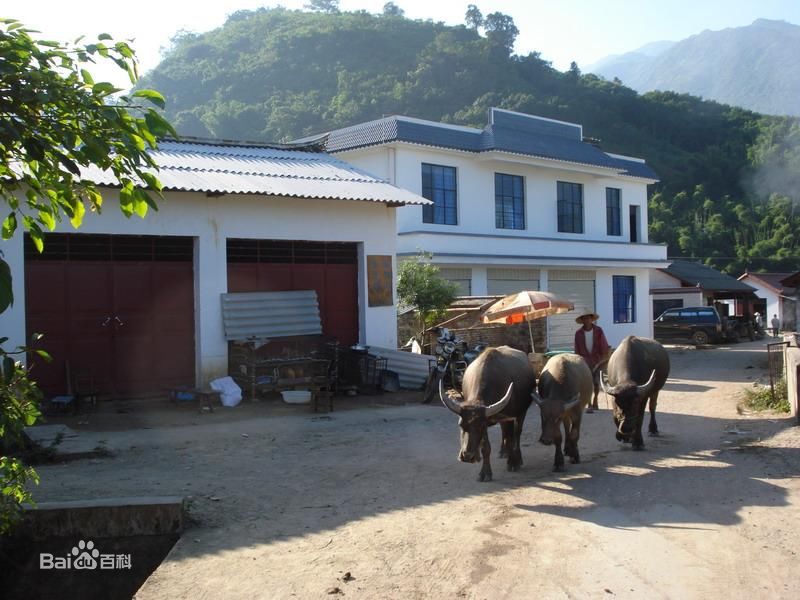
x: 776, y: 325
x: 758, y: 321
x: 591, y: 344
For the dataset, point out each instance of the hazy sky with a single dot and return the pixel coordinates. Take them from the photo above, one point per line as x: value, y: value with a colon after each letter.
x: 562, y: 30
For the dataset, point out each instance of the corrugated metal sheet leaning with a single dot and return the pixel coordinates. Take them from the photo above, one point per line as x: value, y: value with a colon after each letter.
x: 265, y: 315
x: 412, y: 369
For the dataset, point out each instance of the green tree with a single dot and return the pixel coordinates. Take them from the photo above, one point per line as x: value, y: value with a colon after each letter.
x: 501, y: 31
x: 390, y: 9
x: 325, y: 6
x: 473, y: 17
x: 420, y: 286
x: 57, y: 124
x: 58, y: 127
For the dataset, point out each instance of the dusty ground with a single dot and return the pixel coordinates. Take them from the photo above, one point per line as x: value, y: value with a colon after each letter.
x: 287, y: 503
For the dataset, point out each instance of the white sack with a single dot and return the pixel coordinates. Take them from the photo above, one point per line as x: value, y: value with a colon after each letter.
x: 230, y: 392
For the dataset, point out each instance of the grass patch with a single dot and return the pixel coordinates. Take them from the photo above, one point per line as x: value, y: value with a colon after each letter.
x: 761, y: 398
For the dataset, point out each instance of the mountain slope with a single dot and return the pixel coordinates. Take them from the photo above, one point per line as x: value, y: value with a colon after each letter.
x: 753, y: 67
x: 276, y: 74
x: 631, y: 65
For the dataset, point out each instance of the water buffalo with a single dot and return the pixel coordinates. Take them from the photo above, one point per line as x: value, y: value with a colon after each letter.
x: 496, y: 388
x: 565, y: 389
x: 637, y: 370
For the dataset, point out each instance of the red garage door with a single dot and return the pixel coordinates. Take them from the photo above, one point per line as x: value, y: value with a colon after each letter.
x: 329, y: 268
x: 117, y: 308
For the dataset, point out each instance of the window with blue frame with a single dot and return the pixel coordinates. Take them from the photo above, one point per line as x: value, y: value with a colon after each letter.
x: 439, y: 185
x: 570, y: 207
x: 624, y: 299
x: 509, y: 201
x: 613, y: 212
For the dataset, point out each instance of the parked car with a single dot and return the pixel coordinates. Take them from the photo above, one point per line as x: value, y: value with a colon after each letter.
x: 697, y: 324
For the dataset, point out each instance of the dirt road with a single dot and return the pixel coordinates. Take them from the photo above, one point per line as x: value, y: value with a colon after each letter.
x: 373, y: 503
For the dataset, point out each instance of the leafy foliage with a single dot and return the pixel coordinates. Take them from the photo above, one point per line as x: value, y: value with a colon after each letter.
x: 419, y: 285
x: 55, y: 120
x: 763, y: 399
x: 19, y: 408
x: 281, y: 74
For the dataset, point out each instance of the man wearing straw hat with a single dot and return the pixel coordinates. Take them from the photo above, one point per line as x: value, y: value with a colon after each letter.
x: 591, y: 344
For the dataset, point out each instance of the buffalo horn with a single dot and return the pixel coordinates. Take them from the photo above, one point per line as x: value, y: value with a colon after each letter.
x: 604, y: 384
x: 644, y: 390
x: 537, y: 398
x: 447, y: 400
x: 572, y: 403
x: 495, y: 408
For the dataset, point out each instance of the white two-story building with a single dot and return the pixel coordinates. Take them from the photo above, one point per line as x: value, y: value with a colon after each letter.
x: 524, y: 203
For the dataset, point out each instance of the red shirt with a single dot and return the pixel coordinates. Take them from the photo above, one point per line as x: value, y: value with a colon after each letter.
x: 600, y: 345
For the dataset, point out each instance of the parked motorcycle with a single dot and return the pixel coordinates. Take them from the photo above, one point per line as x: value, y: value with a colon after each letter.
x: 452, y: 358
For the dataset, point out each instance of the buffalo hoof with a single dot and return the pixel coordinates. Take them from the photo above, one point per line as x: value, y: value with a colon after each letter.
x: 653, y: 433
x: 576, y: 460
x: 485, y: 476
x: 620, y: 437
x: 513, y: 467
x: 558, y: 469
x: 638, y: 447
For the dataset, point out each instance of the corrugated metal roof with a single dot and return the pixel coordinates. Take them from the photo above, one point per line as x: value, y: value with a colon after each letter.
x: 507, y: 131
x: 412, y: 369
x: 265, y: 315
x: 697, y: 274
x: 244, y: 169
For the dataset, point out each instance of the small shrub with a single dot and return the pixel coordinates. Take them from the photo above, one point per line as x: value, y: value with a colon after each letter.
x: 762, y: 398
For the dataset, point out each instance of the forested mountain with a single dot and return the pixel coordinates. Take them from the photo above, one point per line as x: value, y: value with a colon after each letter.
x: 730, y: 177
x: 754, y: 67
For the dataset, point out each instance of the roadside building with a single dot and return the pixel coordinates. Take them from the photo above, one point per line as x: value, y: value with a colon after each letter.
x: 138, y: 301
x: 526, y: 203
x: 775, y: 297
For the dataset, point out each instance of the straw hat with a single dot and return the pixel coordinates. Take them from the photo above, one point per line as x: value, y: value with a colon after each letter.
x: 586, y: 313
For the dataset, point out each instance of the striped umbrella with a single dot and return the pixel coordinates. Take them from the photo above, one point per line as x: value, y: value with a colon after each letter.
x: 526, y: 306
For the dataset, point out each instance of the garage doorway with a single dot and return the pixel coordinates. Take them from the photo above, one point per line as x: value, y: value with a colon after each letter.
x: 118, y: 309
x: 329, y: 268
x: 578, y: 288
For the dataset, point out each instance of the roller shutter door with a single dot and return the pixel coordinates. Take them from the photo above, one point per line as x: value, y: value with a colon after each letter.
x: 509, y: 281
x: 460, y: 276
x: 577, y: 287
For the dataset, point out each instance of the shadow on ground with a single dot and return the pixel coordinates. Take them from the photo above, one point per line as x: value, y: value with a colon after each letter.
x: 272, y: 478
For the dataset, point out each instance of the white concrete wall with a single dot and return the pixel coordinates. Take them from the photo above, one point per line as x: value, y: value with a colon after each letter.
x: 792, y: 365
x: 659, y: 279
x: 476, y: 243
x: 475, y: 180
x: 604, y: 305
x: 774, y: 304
x: 211, y: 221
